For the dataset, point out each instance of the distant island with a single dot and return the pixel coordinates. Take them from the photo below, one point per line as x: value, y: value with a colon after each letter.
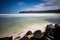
x: 46, y: 11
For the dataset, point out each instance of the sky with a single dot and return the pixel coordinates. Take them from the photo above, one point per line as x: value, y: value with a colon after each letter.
x: 15, y: 6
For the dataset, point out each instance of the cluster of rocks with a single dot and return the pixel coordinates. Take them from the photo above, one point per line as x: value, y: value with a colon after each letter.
x: 51, y: 33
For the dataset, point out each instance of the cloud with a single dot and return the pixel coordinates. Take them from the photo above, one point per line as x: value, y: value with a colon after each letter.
x: 47, y: 5
x: 53, y: 1
x: 20, y: 3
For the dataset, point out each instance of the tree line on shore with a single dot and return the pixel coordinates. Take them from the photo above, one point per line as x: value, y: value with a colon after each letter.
x: 45, y: 11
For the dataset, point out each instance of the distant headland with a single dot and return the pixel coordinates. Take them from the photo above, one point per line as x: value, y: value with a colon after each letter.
x: 46, y: 11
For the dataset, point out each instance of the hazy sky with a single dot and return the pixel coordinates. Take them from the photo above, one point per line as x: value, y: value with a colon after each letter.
x: 15, y: 6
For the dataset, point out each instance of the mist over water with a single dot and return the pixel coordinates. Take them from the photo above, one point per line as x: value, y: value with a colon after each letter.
x: 12, y: 25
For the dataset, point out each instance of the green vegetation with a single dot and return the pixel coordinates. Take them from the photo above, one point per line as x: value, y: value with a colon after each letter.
x: 46, y: 11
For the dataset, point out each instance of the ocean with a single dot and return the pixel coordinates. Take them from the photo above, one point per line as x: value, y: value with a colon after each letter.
x: 17, y: 24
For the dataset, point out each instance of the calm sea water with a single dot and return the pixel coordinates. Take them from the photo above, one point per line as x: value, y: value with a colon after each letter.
x: 14, y: 25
